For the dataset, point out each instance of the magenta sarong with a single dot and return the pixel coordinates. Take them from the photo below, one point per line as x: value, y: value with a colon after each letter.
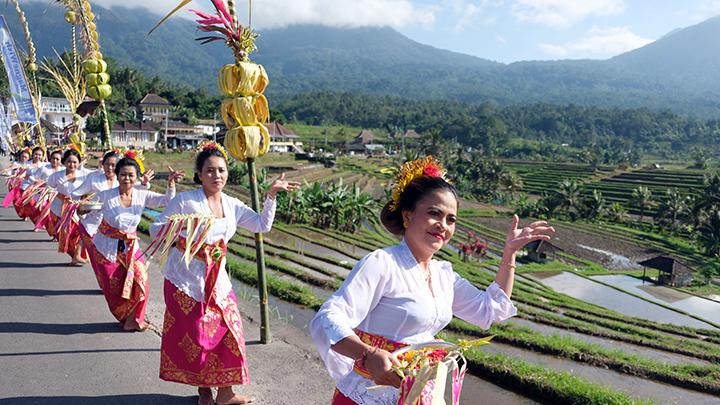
x: 124, y: 299
x: 203, y: 343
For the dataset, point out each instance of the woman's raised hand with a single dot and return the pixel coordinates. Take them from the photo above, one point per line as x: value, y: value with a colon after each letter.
x: 174, y: 175
x: 519, y: 237
x: 147, y: 177
x: 282, y: 185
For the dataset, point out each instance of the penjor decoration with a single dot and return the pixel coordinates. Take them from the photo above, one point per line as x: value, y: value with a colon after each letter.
x: 244, y: 110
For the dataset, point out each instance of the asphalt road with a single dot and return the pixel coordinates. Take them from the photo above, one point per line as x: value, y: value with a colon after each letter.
x: 59, y: 343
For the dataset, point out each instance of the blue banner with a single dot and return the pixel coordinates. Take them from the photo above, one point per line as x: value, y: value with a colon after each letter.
x: 19, y: 88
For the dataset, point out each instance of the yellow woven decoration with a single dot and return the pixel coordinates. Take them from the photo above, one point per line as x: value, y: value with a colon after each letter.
x: 428, y: 166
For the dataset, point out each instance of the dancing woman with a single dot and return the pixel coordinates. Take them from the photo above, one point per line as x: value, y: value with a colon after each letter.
x: 203, y: 343
x: 401, y: 295
x: 115, y: 254
x: 24, y: 204
x: 63, y: 216
x: 43, y: 204
x: 97, y: 181
x: 16, y: 172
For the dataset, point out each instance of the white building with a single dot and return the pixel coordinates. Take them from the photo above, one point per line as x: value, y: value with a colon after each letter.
x: 57, y: 111
x: 138, y: 135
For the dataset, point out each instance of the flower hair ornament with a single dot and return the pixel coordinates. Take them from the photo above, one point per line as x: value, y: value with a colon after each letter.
x: 205, y: 145
x: 74, y: 147
x: 116, y: 151
x: 137, y: 156
x: 428, y: 166
x: 26, y: 150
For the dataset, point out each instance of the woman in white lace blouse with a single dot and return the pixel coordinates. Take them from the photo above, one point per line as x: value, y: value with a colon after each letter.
x: 402, y: 295
x: 114, y: 249
x: 203, y: 342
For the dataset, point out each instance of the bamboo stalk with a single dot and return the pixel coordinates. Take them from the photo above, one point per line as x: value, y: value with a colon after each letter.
x: 265, y: 335
x: 31, y: 64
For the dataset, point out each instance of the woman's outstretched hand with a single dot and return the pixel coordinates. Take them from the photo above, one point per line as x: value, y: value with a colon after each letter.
x: 282, y: 185
x: 174, y: 175
x: 379, y: 364
x: 519, y: 237
x: 147, y: 177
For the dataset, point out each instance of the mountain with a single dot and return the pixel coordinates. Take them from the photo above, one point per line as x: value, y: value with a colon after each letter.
x: 676, y: 72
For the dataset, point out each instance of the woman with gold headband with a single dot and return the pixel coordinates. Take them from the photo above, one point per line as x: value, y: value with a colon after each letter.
x: 16, y: 172
x: 114, y: 251
x: 401, y: 295
x: 101, y: 180
x: 203, y: 343
x: 62, y: 216
x: 24, y: 205
x: 44, y: 198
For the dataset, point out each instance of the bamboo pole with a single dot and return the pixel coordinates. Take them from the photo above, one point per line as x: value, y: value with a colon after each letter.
x: 31, y: 66
x: 265, y: 335
x: 84, y: 5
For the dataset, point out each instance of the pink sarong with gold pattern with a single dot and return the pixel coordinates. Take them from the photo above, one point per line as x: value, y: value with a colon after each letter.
x: 124, y: 282
x: 203, y: 343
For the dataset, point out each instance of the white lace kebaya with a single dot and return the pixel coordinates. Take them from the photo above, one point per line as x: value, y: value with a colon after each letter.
x: 386, y: 294
x: 97, y: 182
x: 125, y: 219
x: 191, y: 279
x: 59, y: 182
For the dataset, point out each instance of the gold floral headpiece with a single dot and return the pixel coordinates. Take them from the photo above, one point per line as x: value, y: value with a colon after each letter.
x: 26, y: 150
x: 74, y: 147
x: 137, y: 156
x: 205, y: 145
x: 428, y: 166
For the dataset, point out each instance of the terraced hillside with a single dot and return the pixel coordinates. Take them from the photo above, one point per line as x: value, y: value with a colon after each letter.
x: 539, y: 177
x: 619, y: 188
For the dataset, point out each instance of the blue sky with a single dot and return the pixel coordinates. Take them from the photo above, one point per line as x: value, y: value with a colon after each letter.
x: 500, y: 30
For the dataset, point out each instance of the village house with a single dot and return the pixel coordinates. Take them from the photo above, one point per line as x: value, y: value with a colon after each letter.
x: 366, y: 143
x: 283, y: 139
x: 137, y: 135
x: 153, y: 108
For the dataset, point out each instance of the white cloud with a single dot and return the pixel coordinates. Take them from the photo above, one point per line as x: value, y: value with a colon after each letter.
x: 278, y: 13
x: 501, y: 39
x: 599, y: 42
x: 705, y: 10
x: 561, y: 13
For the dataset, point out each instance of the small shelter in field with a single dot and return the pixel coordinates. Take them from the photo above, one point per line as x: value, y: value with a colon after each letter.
x: 540, y: 250
x: 671, y: 271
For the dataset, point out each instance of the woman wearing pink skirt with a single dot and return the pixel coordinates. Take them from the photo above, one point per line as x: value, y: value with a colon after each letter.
x: 115, y: 254
x: 203, y: 343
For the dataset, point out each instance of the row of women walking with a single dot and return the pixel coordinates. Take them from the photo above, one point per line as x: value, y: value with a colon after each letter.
x: 394, y: 297
x: 94, y: 215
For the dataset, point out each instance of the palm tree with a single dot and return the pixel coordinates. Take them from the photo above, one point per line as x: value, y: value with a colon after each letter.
x: 568, y: 196
x: 617, y: 212
x: 708, y: 198
x: 642, y: 198
x: 593, y: 206
x: 708, y: 233
x: 673, y: 208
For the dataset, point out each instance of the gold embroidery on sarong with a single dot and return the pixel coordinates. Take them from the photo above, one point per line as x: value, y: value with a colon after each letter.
x: 212, y: 364
x: 232, y: 345
x: 189, y: 348
x: 168, y: 321
x: 165, y: 362
x: 185, y: 301
x: 211, y: 321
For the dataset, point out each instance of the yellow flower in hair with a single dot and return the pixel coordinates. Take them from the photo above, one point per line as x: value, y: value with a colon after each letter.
x: 429, y: 166
x: 204, y: 145
x: 137, y: 156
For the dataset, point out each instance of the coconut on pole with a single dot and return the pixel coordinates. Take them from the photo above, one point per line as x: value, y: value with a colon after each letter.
x: 244, y: 111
